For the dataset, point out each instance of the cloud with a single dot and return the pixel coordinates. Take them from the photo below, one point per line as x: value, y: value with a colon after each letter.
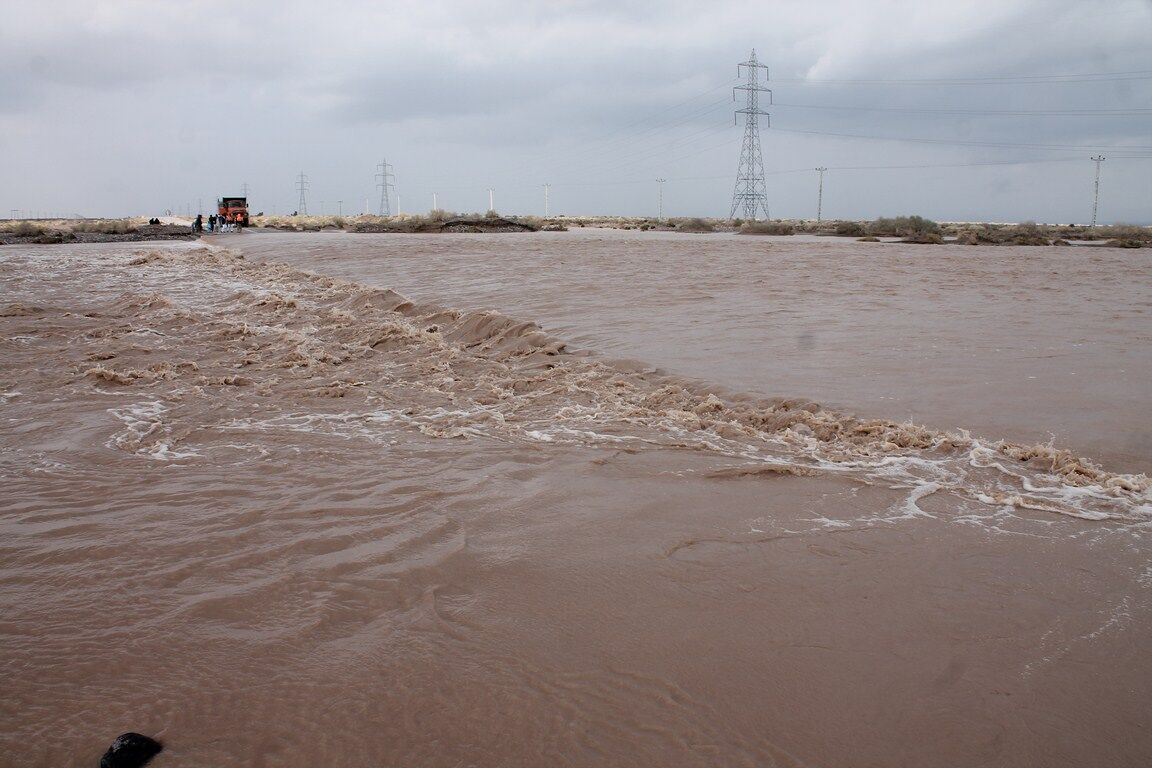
x: 583, y: 91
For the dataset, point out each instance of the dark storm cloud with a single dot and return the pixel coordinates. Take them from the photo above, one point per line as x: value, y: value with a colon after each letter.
x: 582, y: 90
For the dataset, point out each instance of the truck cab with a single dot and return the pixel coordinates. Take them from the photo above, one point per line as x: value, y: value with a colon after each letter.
x: 234, y: 210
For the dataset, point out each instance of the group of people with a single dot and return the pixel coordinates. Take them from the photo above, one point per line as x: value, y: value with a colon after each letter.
x: 216, y: 223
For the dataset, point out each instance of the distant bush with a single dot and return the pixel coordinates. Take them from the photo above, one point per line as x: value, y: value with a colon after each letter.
x: 924, y: 238
x: 767, y: 228
x: 849, y: 228
x: 1122, y: 232
x: 27, y: 229
x: 903, y: 226
x: 105, y: 226
x: 694, y: 225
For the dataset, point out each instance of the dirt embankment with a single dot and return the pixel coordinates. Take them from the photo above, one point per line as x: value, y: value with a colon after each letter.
x: 26, y: 233
x: 487, y: 224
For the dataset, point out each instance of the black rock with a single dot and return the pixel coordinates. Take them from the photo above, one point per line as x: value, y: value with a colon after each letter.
x: 130, y: 750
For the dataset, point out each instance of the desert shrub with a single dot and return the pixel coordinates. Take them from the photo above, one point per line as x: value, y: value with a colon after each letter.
x: 27, y: 229
x: 924, y: 238
x: 767, y: 228
x: 694, y: 225
x: 903, y: 226
x: 339, y: 221
x: 1122, y: 232
x: 849, y: 228
x: 439, y: 214
x: 105, y: 226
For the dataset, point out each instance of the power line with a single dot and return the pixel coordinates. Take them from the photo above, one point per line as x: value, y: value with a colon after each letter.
x: 1136, y: 112
x: 1097, y: 77
x: 1075, y: 147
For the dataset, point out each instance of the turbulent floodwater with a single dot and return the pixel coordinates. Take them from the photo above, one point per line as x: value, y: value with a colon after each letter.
x: 338, y: 500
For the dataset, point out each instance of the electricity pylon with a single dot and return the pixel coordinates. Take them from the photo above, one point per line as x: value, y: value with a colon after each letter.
x: 751, y: 193
x: 385, y: 184
x: 302, y: 184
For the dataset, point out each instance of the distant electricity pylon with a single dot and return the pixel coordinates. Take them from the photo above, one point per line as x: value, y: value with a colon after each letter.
x: 1096, y: 197
x: 302, y: 184
x: 660, y: 204
x: 751, y: 193
x: 244, y: 189
x: 547, y: 189
x: 820, y: 195
x: 385, y: 184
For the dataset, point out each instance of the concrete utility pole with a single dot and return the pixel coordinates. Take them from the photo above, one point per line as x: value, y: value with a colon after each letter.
x: 820, y: 195
x: 547, y: 189
x: 302, y: 184
x: 435, y: 202
x: 339, y: 207
x: 1096, y: 197
x: 660, y: 204
x: 491, y: 200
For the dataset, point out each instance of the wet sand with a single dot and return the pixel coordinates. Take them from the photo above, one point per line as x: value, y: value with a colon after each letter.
x: 284, y: 519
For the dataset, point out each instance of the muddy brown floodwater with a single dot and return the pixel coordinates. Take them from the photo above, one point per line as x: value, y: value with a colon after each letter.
x: 585, y: 498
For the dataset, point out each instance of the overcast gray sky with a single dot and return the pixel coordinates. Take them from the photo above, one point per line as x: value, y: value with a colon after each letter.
x: 136, y: 106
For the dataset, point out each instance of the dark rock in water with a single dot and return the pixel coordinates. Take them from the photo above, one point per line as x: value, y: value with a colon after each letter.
x: 130, y: 750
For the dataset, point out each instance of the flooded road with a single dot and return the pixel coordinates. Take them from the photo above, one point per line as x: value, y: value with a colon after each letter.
x: 363, y: 504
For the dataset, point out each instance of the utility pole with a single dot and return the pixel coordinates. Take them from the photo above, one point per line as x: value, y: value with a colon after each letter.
x: 385, y: 175
x: 435, y: 202
x: 820, y: 195
x: 302, y: 185
x: 660, y: 204
x: 339, y: 207
x: 1096, y: 197
x: 751, y: 194
x: 547, y: 189
x: 491, y: 200
x: 244, y: 189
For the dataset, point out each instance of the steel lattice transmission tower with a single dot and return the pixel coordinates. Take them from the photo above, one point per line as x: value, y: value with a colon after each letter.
x: 385, y: 175
x: 302, y: 184
x: 751, y: 194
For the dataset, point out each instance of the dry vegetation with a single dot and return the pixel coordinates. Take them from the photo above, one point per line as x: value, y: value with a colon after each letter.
x: 49, y: 231
x: 913, y: 229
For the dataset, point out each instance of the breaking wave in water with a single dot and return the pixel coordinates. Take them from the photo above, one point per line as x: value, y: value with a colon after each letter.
x: 323, y: 354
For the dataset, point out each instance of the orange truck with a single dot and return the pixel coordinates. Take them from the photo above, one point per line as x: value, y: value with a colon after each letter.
x: 234, y: 210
